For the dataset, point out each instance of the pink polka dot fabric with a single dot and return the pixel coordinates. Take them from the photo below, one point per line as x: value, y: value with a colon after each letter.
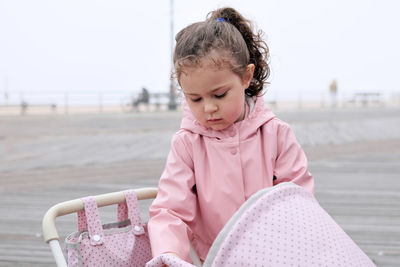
x: 284, y: 226
x: 119, y: 244
x: 279, y: 226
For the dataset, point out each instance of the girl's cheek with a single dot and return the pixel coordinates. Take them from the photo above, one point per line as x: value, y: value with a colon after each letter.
x: 196, y: 111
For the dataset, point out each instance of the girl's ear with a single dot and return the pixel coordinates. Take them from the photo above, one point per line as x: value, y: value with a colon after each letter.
x: 248, y: 75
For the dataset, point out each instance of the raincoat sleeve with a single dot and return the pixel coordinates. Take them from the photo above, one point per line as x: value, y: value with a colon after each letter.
x: 291, y: 163
x: 174, y: 208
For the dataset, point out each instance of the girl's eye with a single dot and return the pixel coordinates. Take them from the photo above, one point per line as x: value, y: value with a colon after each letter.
x: 221, y: 95
x: 196, y: 99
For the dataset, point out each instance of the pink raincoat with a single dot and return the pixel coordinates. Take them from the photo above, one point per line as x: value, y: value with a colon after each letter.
x: 209, y: 174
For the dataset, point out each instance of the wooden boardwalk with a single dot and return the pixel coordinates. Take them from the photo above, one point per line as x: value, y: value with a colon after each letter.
x: 48, y: 159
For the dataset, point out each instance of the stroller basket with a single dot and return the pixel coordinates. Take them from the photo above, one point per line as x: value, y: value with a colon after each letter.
x: 50, y: 234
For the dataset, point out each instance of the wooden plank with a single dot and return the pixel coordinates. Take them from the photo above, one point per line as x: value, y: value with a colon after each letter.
x: 357, y: 183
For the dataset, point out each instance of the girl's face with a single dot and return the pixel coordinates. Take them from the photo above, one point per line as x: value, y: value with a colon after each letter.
x: 215, y: 95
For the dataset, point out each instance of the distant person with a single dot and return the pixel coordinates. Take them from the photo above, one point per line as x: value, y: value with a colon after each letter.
x: 144, y: 96
x: 24, y: 107
x: 333, y: 93
x: 230, y: 145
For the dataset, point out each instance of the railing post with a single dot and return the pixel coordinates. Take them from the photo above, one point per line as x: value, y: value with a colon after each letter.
x: 66, y: 103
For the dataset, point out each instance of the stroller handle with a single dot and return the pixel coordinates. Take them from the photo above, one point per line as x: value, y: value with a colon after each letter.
x: 72, y: 206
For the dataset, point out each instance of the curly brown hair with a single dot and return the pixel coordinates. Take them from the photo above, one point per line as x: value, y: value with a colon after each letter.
x: 228, y: 33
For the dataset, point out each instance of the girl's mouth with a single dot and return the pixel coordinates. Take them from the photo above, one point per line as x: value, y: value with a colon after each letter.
x: 214, y: 120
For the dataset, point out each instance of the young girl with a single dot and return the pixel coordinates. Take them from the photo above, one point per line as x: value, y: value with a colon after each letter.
x: 229, y: 146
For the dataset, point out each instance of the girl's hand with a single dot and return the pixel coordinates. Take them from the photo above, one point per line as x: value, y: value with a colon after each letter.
x: 168, y: 259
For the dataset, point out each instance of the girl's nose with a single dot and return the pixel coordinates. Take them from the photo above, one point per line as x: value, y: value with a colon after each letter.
x: 210, y: 107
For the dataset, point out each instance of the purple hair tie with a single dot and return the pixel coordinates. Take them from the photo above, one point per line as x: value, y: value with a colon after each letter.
x: 221, y: 19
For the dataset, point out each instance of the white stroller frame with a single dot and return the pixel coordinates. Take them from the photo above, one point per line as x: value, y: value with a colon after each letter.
x: 50, y: 234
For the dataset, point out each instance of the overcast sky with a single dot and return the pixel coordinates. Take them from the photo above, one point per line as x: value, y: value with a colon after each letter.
x: 120, y: 46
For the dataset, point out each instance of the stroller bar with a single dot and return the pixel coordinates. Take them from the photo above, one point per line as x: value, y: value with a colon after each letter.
x: 57, y: 252
x: 72, y: 206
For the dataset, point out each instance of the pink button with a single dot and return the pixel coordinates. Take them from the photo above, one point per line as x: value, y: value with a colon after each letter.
x: 233, y: 151
x: 232, y: 134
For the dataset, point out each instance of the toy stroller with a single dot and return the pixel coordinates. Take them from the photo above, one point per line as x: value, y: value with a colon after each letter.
x: 279, y: 226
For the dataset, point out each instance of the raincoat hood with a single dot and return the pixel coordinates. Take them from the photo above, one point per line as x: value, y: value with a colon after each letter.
x: 258, y: 115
